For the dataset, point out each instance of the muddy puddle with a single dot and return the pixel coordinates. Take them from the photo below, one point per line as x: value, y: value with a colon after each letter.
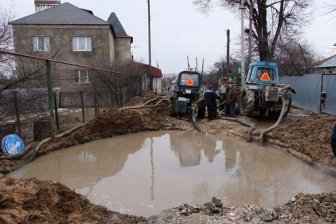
x: 145, y: 173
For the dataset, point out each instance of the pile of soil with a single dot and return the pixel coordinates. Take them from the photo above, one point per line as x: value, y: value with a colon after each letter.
x: 108, y: 124
x: 119, y: 122
x: 35, y: 201
x: 304, y: 208
x: 310, y: 136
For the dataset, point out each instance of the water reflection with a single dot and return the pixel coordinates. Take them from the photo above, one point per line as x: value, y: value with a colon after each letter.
x: 145, y: 173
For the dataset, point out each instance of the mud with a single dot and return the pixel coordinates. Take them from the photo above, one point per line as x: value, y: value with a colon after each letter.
x: 145, y: 173
x: 303, y: 135
x: 35, y: 201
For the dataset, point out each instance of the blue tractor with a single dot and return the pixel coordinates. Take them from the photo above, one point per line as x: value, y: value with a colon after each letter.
x: 187, y: 93
x: 262, y: 92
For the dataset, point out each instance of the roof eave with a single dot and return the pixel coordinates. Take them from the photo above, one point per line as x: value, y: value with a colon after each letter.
x: 51, y: 24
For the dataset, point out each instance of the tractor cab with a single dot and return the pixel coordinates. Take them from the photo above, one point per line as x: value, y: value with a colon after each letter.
x: 189, y: 85
x: 261, y: 75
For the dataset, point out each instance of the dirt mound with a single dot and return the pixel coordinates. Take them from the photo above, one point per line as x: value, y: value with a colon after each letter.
x: 34, y: 201
x: 141, y: 99
x: 304, y: 208
x: 118, y: 122
x: 310, y: 136
x: 110, y: 123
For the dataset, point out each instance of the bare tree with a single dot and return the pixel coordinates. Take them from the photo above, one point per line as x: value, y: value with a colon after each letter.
x: 271, y: 20
x: 6, y: 43
x: 295, y: 57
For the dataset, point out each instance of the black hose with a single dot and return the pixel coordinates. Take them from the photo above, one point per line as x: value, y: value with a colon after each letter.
x: 262, y: 134
x: 251, y: 126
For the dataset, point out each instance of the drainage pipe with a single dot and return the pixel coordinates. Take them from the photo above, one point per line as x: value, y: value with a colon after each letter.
x: 251, y: 126
x: 267, y: 130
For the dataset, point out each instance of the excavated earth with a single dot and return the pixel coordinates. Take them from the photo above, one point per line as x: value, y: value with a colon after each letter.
x: 301, y: 134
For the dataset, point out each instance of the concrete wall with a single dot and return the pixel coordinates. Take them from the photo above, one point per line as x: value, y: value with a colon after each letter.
x: 122, y: 50
x: 105, y: 51
x: 61, y: 41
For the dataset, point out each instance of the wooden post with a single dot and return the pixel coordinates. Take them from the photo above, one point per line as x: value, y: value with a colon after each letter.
x: 322, y: 80
x: 50, y: 98
x: 82, y: 105
x: 60, y: 99
x: 95, y: 99
x: 17, y: 112
x: 56, y: 112
x: 228, y: 52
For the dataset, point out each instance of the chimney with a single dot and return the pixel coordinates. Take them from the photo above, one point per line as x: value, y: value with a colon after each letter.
x: 41, y: 5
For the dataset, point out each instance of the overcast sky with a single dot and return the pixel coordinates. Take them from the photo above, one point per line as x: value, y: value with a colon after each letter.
x: 180, y: 30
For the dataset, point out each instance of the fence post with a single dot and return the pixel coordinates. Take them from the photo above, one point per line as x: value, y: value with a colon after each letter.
x: 96, y: 108
x: 17, y: 112
x: 322, y: 79
x: 56, y: 112
x: 82, y: 105
x: 50, y: 98
x: 60, y: 99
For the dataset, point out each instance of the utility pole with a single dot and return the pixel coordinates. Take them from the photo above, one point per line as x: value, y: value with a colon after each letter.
x: 188, y: 63
x: 196, y: 69
x: 149, y: 47
x: 228, y: 52
x: 157, y: 64
x: 242, y: 44
x: 250, y: 34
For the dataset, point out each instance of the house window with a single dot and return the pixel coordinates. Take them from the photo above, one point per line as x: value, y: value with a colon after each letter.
x: 41, y: 43
x: 82, y: 76
x: 81, y: 44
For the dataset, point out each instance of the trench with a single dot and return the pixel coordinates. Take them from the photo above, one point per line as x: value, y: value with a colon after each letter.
x: 145, y: 173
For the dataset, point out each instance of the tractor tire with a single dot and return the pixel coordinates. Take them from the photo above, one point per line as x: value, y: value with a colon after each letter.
x: 247, y: 100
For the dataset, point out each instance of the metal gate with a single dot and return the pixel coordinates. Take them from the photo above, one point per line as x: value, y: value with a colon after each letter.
x: 308, y: 89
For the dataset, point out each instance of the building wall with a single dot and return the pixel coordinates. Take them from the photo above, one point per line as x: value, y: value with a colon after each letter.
x: 331, y: 70
x: 105, y: 51
x: 157, y: 85
x: 61, y: 49
x: 122, y: 50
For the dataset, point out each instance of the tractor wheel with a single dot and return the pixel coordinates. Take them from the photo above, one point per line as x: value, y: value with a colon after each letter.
x: 247, y: 100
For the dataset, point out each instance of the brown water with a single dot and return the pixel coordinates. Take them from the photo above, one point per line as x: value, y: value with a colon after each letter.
x: 144, y: 173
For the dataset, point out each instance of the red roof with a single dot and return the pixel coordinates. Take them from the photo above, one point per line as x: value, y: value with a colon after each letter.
x: 154, y: 72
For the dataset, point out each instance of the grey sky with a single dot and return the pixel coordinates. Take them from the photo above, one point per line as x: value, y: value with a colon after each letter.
x: 179, y: 29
